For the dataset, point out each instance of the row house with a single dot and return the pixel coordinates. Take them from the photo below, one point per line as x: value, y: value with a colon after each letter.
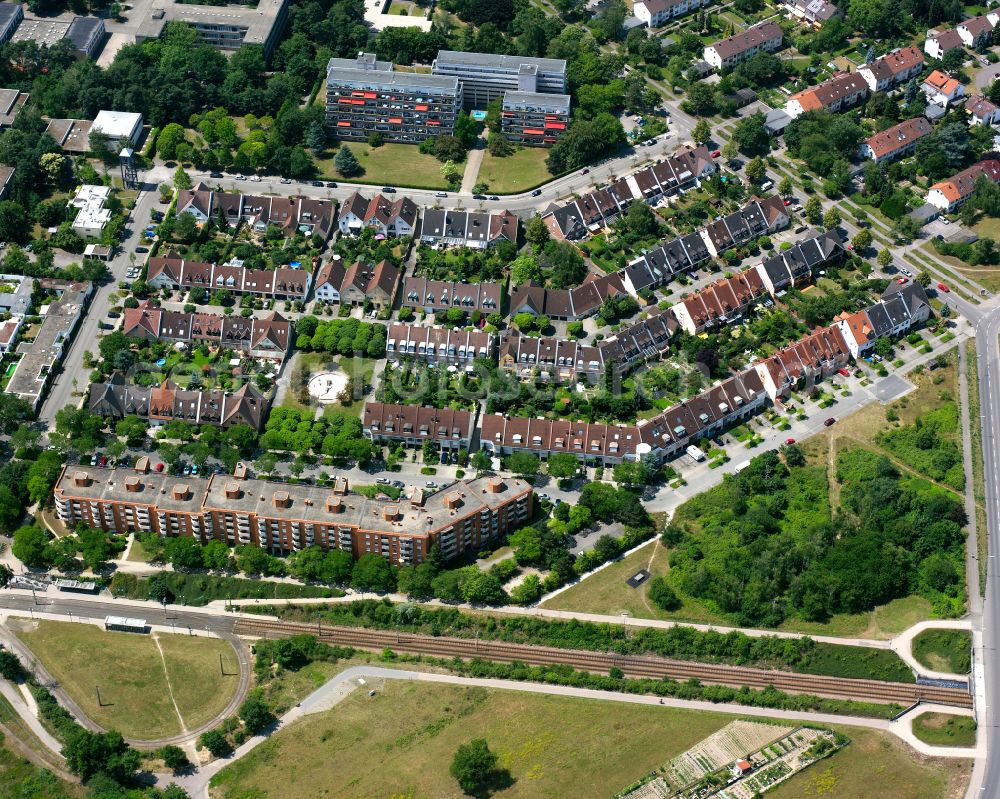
x: 896, y: 142
x: 656, y: 13
x: 893, y: 69
x: 176, y: 273
x: 757, y: 218
x: 902, y: 307
x: 951, y: 193
x: 267, y: 337
x: 795, y: 266
x: 306, y: 215
x: 938, y: 43
x: 413, y: 425
x: 546, y: 358
x: 721, y: 302
x: 812, y: 12
x: 567, y: 304
x: 283, y: 518
x: 591, y: 212
x: 977, y: 31
x: 942, y: 89
x: 433, y: 296
x: 168, y: 402
x: 844, y: 90
x: 436, y: 345
x: 641, y: 341
x: 478, y: 230
x: 805, y: 362
x: 592, y: 442
x: 656, y: 267
x: 358, y: 284
x: 386, y: 217
x: 727, y: 53
x: 981, y: 111
x: 731, y: 402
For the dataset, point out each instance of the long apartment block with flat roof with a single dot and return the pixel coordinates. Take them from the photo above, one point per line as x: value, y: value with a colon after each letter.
x: 533, y: 118
x: 486, y: 77
x: 283, y: 518
x: 225, y: 27
x: 364, y: 96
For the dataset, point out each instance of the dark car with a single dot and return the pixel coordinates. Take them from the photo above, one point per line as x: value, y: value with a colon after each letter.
x: 388, y: 190
x: 113, y: 314
x: 142, y: 249
x: 317, y: 183
x: 444, y: 457
x: 536, y: 193
x: 829, y: 422
x: 494, y: 197
x: 478, y: 196
x: 331, y: 185
x: 215, y: 174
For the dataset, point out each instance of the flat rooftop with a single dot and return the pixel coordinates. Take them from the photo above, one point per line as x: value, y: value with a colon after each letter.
x: 560, y: 101
x: 257, y: 22
x: 11, y: 103
x: 72, y: 135
x: 301, y: 502
x: 511, y: 63
x: 404, y: 80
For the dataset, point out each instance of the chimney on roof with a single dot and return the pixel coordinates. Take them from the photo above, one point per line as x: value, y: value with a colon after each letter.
x: 334, y: 505
x: 142, y: 465
x: 233, y: 491
x: 132, y: 483
x: 495, y: 485
x: 452, y: 500
x: 81, y: 479
x: 417, y: 498
x: 390, y: 512
x: 240, y: 472
x: 281, y: 499
x: 181, y: 491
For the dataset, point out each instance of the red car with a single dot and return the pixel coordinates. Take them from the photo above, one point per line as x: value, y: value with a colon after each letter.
x: 850, y: 247
x: 901, y: 281
x: 159, y: 467
x: 789, y: 440
x: 102, y: 461
x: 788, y: 202
x: 843, y: 373
x: 943, y: 287
x: 716, y: 153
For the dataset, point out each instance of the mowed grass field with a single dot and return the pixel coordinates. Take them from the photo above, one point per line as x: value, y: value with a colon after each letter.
x: 944, y: 650
x: 389, y: 165
x: 400, y: 743
x: 133, y: 676
x: 944, y: 729
x: 607, y: 592
x: 515, y: 173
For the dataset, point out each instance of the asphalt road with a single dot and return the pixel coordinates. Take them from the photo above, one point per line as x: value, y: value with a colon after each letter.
x: 60, y: 394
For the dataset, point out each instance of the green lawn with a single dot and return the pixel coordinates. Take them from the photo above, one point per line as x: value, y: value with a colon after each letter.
x: 877, y: 766
x: 22, y: 779
x: 401, y: 742
x: 943, y: 729
x: 944, y: 650
x: 132, y: 675
x: 390, y: 165
x: 515, y: 173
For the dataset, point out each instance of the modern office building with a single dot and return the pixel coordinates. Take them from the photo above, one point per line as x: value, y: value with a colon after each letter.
x: 364, y: 96
x: 534, y: 119
x: 11, y: 15
x: 486, y: 77
x: 86, y: 34
x: 283, y: 518
x: 227, y: 27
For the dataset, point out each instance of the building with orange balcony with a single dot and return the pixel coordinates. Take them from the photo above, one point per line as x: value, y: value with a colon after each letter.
x: 534, y: 119
x: 365, y: 96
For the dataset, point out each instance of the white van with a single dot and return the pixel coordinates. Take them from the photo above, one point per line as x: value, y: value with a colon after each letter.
x: 695, y: 453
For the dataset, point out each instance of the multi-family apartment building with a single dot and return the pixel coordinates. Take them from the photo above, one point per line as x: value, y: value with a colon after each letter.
x: 168, y: 402
x: 842, y: 91
x: 728, y: 52
x: 977, y: 31
x: 951, y: 193
x: 485, y: 77
x: 307, y: 215
x: 436, y: 345
x: 940, y: 42
x: 226, y: 28
x: 413, y: 425
x: 981, y: 110
x: 896, y: 142
x: 283, y: 518
x: 892, y: 69
x: 547, y: 358
x: 441, y: 295
x: 659, y: 12
x: 478, y: 230
x: 266, y: 337
x: 381, y: 215
x: 534, y: 119
x: 365, y: 96
x: 358, y: 283
x: 176, y: 273
x: 901, y: 307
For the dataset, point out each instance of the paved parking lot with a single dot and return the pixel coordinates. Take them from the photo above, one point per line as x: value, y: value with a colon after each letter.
x: 891, y: 388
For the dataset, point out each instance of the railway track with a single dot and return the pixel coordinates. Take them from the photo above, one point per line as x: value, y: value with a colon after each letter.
x: 601, y: 662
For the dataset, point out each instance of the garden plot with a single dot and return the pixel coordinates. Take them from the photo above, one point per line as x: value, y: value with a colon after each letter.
x: 777, y: 762
x: 722, y: 748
